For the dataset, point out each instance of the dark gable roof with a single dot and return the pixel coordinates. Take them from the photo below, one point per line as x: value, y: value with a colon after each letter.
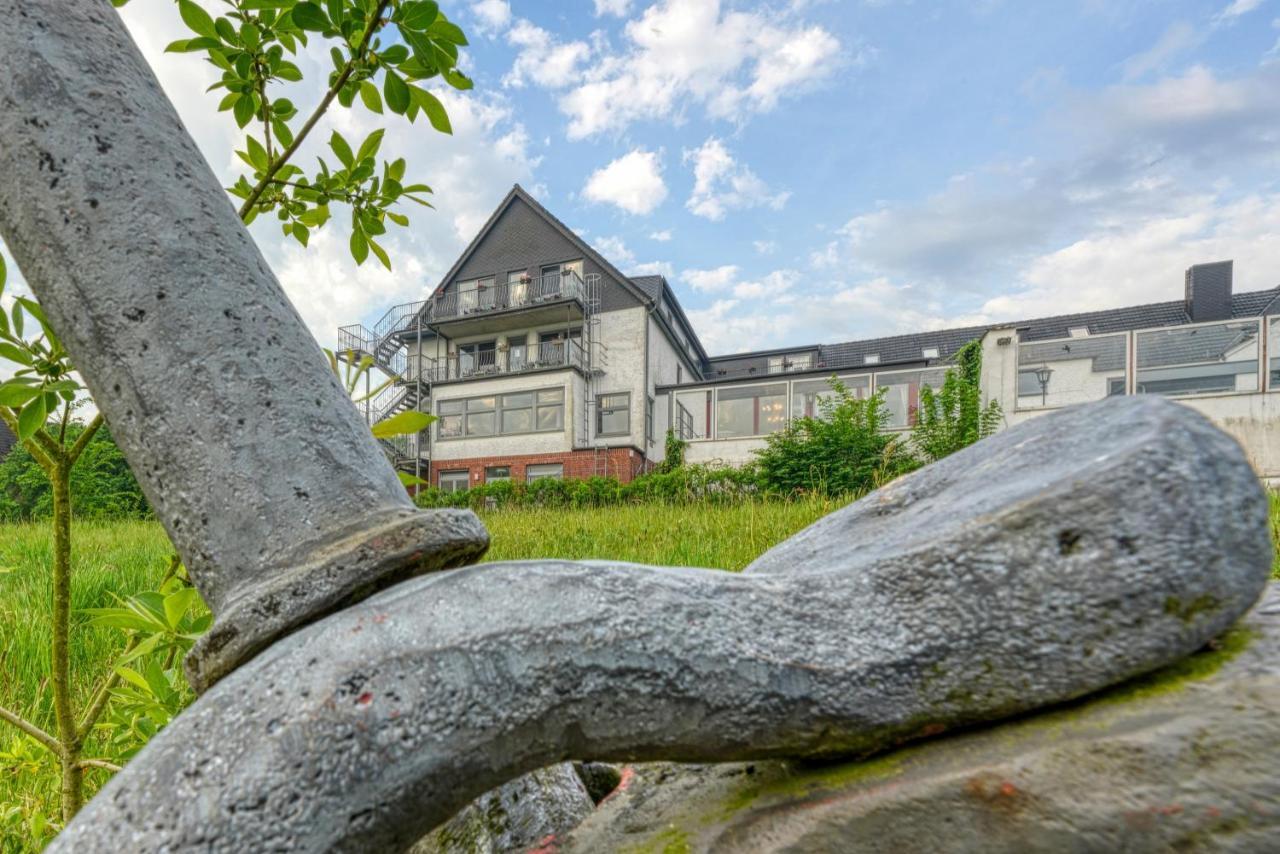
x: 518, y: 192
x: 654, y: 287
x: 908, y: 348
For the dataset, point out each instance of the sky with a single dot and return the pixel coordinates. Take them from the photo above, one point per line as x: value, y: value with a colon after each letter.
x: 822, y: 170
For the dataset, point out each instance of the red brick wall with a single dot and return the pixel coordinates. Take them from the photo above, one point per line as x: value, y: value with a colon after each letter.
x: 622, y: 463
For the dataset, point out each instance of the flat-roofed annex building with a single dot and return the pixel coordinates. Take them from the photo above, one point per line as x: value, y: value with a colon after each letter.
x: 541, y: 359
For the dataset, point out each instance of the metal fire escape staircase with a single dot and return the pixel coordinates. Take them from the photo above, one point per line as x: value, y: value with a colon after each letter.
x: 408, y: 389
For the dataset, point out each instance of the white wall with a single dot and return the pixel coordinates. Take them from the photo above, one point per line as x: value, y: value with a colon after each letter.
x: 666, y: 367
x: 524, y: 443
x: 623, y: 353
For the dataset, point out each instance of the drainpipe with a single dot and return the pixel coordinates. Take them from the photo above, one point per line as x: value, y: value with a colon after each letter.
x: 261, y: 470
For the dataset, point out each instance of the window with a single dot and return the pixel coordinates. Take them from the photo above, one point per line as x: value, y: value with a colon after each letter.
x: 1078, y: 332
x: 613, y: 414
x: 1273, y: 347
x: 648, y: 419
x: 776, y: 364
x: 517, y: 287
x: 693, y: 414
x: 871, y: 359
x: 516, y: 360
x: 929, y: 353
x: 544, y: 471
x: 517, y: 412
x: 807, y: 395
x: 506, y: 414
x: 482, y: 418
x: 679, y: 374
x: 455, y: 481
x: 1206, y: 359
x: 476, y: 295
x: 1115, y: 386
x: 497, y: 474
x: 902, y: 395
x: 1071, y: 370
x: 478, y: 357
x: 792, y: 362
x: 550, y: 409
x: 750, y: 410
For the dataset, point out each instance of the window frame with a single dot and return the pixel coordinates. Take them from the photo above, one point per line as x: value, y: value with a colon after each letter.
x: 498, y: 410
x: 601, y: 408
x: 452, y: 476
x: 531, y: 477
x: 756, y: 414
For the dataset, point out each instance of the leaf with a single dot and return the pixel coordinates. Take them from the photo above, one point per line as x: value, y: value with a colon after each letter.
x: 396, y: 169
x: 457, y: 79
x: 369, y: 94
x: 342, y: 149
x: 31, y: 418
x: 404, y: 424
x: 394, y: 55
x: 407, y: 479
x: 14, y: 395
x: 15, y: 354
x: 300, y: 233
x: 309, y: 16
x: 197, y: 19
x: 244, y: 109
x: 399, y: 219
x: 134, y: 678
x: 380, y: 252
x: 396, y: 92
x: 369, y: 148
x: 257, y: 155
x: 419, y: 16
x: 435, y: 111
x: 448, y: 31
x: 359, y: 246
x: 176, y: 605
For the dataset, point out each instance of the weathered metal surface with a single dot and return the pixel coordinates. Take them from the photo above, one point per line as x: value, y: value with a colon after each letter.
x: 1056, y: 558
x: 263, y: 474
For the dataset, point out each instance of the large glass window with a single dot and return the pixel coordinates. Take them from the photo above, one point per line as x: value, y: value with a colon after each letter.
x: 1205, y: 359
x: 544, y: 471
x: 790, y: 363
x: 613, y: 414
x: 902, y: 393
x: 1071, y: 370
x: 750, y: 410
x: 507, y: 414
x: 497, y: 474
x: 807, y: 395
x: 693, y: 414
x: 1273, y: 347
x: 455, y: 481
x: 550, y: 410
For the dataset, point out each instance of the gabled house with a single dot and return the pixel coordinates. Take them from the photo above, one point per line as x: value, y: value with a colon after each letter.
x: 538, y: 356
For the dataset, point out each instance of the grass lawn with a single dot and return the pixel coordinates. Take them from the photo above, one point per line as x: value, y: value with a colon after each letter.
x: 120, y: 558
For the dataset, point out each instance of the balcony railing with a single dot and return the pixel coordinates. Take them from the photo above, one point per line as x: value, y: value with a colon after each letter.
x: 498, y: 297
x: 515, y: 360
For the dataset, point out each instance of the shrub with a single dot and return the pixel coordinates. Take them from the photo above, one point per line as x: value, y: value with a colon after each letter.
x: 843, y: 450
x: 953, y: 417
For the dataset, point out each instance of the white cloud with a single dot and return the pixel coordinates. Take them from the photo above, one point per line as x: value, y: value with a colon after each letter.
x: 717, y: 279
x: 1177, y: 39
x: 765, y: 247
x: 614, y: 250
x: 722, y: 184
x: 633, y: 182
x: 726, y: 327
x: 618, y: 8
x: 543, y: 60
x: 683, y: 52
x: 1237, y: 9
x: 492, y: 16
x: 651, y: 268
x: 660, y: 236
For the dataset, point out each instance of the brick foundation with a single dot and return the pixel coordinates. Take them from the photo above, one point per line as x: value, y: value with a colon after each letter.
x: 622, y: 463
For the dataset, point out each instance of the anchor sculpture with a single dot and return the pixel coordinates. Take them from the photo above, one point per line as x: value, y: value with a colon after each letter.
x: 333, y: 716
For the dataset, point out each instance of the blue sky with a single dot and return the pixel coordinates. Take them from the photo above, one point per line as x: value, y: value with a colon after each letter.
x: 823, y: 171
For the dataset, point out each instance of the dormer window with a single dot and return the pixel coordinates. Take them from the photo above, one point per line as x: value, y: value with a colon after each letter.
x: 929, y: 353
x: 871, y: 359
x: 1078, y: 332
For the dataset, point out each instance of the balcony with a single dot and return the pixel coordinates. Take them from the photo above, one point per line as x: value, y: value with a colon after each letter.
x: 550, y: 355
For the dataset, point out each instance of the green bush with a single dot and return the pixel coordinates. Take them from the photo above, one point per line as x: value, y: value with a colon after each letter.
x: 953, y: 417
x: 686, y: 484
x: 102, y: 484
x: 843, y: 450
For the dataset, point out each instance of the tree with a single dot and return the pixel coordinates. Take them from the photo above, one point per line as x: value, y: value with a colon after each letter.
x: 380, y: 50
x: 102, y: 484
x: 845, y: 449
x: 954, y: 417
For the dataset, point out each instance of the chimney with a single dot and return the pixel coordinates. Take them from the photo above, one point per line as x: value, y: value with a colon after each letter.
x: 1208, y: 291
